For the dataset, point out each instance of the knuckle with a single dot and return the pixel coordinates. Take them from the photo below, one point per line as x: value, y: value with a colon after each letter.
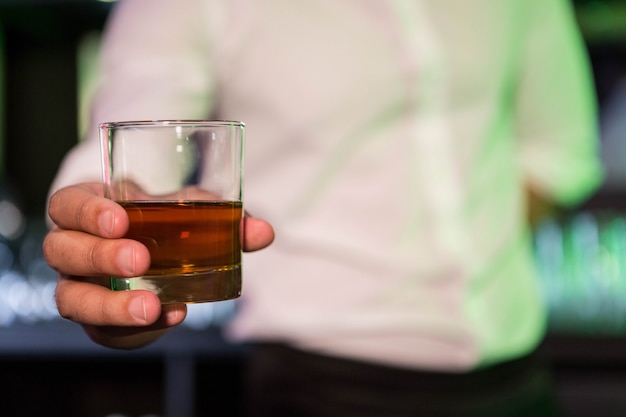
x: 92, y: 257
x: 63, y: 312
x: 105, y: 310
x: 62, y: 308
x: 84, y: 213
x: 76, y: 302
x: 48, y: 248
x: 100, y: 257
x: 53, y: 205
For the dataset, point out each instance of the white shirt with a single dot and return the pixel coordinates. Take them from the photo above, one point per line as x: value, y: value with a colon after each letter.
x: 389, y: 143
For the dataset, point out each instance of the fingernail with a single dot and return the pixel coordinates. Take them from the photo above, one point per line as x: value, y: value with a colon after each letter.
x: 137, y: 308
x: 174, y: 314
x: 126, y: 259
x: 105, y: 221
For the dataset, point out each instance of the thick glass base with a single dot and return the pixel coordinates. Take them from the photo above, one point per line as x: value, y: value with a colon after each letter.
x: 218, y: 285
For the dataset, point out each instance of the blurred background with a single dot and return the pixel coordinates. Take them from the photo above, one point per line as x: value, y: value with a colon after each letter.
x: 48, y: 52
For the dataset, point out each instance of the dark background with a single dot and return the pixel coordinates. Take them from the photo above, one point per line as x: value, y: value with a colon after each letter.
x: 48, y: 365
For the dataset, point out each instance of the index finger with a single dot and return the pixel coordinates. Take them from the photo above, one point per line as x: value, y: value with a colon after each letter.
x: 83, y: 207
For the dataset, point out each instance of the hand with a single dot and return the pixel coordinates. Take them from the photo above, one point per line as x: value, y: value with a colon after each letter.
x: 86, y: 245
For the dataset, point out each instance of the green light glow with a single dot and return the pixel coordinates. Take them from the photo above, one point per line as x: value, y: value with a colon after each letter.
x: 581, y: 261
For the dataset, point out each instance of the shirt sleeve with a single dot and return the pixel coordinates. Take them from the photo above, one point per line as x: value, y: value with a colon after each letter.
x: 155, y: 63
x: 556, y: 110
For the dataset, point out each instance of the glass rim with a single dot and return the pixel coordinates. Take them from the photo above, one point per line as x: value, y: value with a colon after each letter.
x: 171, y: 123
